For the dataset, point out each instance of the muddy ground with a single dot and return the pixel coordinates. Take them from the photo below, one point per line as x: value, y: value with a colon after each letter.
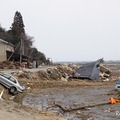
x: 69, y: 95
x: 43, y: 99
x: 89, y: 93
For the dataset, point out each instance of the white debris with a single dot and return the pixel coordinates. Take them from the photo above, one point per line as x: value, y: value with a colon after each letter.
x: 1, y: 95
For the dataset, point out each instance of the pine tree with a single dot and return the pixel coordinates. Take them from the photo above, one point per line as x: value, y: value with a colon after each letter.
x: 17, y: 30
x: 2, y: 32
x: 16, y: 34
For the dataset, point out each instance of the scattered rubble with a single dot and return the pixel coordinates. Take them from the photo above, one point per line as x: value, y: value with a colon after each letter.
x: 24, y: 74
x: 14, y: 65
x: 58, y: 73
x: 63, y: 72
x: 93, y: 71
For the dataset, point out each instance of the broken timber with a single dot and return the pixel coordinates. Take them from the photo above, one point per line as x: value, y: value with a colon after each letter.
x: 1, y: 95
x: 79, y: 108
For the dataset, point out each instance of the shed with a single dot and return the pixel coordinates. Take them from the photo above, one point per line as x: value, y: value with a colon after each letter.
x: 4, y: 47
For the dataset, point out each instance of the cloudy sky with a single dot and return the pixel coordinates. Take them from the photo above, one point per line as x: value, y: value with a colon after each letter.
x: 69, y: 30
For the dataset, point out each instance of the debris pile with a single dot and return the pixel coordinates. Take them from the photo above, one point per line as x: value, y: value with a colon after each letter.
x: 24, y: 74
x: 105, y: 73
x: 60, y: 72
x: 63, y: 72
x: 93, y: 71
x: 14, y: 65
x: 57, y: 73
x: 10, y: 65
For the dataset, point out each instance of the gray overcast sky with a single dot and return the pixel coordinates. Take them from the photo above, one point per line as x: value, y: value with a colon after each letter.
x: 69, y: 30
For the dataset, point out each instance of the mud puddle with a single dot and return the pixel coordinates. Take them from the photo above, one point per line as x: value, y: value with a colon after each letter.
x: 74, y: 97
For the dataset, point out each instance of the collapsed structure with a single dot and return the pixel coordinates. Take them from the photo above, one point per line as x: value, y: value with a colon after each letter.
x: 92, y: 71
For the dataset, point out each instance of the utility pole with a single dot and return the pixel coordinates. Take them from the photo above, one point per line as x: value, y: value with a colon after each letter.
x: 20, y: 51
x: 23, y: 53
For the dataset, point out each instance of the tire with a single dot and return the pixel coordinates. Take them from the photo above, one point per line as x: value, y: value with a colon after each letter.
x: 12, y: 90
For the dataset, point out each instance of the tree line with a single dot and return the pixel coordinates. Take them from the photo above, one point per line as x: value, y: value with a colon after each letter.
x: 16, y: 35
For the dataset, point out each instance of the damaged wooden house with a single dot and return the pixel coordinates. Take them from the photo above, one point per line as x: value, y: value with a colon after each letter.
x: 7, y: 52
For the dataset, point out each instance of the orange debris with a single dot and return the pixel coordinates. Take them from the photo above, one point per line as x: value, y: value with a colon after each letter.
x: 114, y: 100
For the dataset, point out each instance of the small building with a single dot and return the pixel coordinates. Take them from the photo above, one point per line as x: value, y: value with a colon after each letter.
x: 4, y: 48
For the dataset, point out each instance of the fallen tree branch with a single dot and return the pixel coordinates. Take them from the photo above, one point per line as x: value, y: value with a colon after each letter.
x: 79, y: 108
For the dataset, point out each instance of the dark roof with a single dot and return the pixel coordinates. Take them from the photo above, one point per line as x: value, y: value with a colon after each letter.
x: 89, y: 70
x: 5, y: 42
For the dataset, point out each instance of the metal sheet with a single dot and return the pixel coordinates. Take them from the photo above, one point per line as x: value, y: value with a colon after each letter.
x: 89, y: 70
